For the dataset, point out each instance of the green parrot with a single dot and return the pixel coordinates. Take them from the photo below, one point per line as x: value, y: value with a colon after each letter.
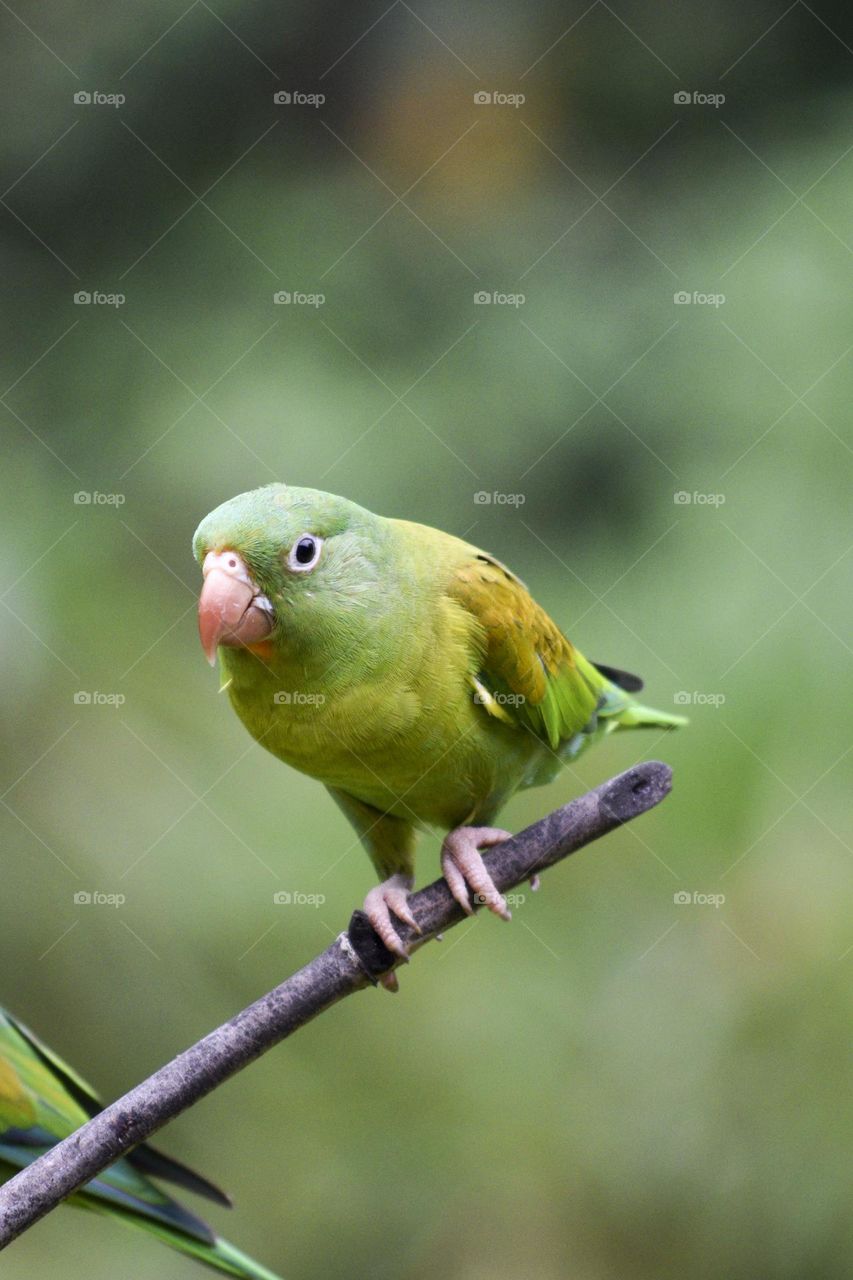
x: 406, y: 669
x: 42, y: 1101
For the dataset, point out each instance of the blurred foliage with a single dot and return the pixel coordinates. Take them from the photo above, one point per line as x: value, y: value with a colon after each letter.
x: 617, y: 1085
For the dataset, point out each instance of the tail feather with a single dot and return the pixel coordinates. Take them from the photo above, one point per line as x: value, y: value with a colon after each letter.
x: 619, y: 710
x: 220, y: 1255
x: 636, y: 716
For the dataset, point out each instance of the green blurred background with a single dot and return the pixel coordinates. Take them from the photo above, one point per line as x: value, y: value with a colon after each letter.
x: 619, y: 1085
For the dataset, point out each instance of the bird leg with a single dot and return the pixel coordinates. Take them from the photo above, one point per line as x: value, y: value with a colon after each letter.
x: 463, y: 868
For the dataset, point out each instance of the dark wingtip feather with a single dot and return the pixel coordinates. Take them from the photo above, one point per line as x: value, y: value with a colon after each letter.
x: 155, y: 1164
x: 623, y: 679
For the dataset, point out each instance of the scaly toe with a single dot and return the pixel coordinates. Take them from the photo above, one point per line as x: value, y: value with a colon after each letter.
x: 456, y: 882
x: 390, y: 896
x: 463, y: 867
x: 398, y: 901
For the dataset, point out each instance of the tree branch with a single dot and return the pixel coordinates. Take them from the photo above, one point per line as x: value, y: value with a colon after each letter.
x: 353, y: 961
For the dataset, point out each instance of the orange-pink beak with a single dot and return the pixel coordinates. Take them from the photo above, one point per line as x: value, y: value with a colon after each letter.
x: 231, y: 609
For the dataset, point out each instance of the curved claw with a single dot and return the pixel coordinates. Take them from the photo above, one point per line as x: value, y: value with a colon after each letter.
x: 463, y: 868
x: 456, y: 882
x: 391, y: 896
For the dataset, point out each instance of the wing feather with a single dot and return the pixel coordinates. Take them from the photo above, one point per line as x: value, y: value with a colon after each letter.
x: 533, y: 674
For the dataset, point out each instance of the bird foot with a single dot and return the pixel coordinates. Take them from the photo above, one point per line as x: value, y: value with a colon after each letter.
x: 391, y: 896
x: 463, y: 868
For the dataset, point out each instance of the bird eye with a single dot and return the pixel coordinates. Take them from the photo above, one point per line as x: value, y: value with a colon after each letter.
x: 305, y: 552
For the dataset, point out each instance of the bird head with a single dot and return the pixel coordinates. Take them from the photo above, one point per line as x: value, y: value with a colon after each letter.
x: 285, y: 569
